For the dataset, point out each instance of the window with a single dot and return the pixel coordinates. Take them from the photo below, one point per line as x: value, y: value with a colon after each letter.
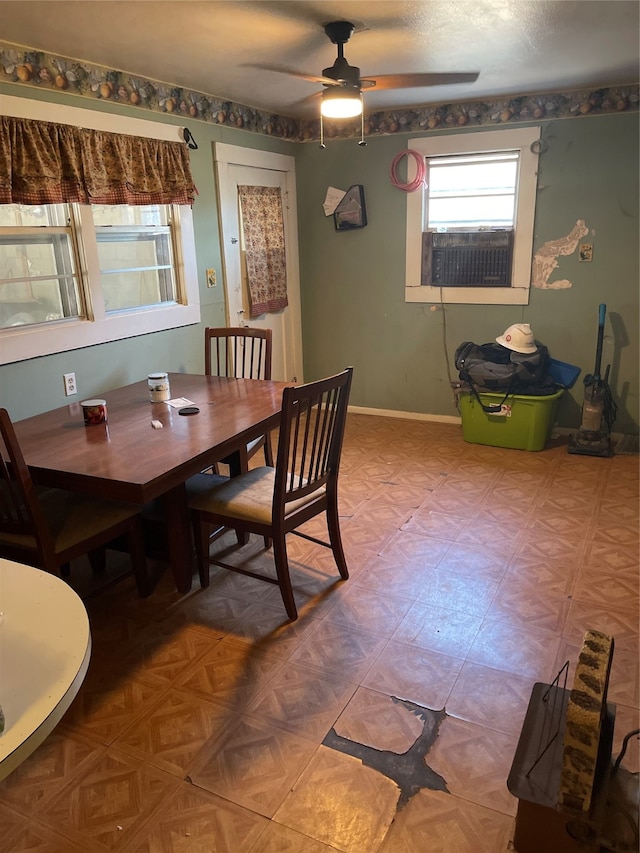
x: 39, y: 280
x: 135, y: 251
x: 470, y: 229
x: 76, y: 275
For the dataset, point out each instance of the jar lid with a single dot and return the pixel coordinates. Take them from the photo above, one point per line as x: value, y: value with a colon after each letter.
x: 158, y: 375
x: 93, y: 403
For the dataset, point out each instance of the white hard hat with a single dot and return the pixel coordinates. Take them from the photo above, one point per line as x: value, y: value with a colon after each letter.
x: 519, y: 338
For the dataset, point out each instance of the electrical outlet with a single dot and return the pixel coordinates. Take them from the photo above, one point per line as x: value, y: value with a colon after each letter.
x: 211, y: 278
x: 70, y: 386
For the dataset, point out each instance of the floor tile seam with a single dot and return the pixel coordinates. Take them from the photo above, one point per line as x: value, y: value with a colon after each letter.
x: 477, y: 802
x: 490, y: 578
x: 466, y: 718
x: 494, y: 811
x: 617, y: 610
x: 355, y: 585
x: 86, y: 846
x: 141, y: 711
x: 511, y: 588
x: 421, y: 605
x: 77, y: 780
x: 155, y: 760
x: 546, y: 585
x: 546, y: 677
x: 143, y: 830
x: 218, y: 744
x: 347, y: 634
x: 425, y: 602
x: 586, y: 595
x: 281, y: 725
x: 534, y: 631
x: 329, y: 674
x: 426, y: 646
x: 436, y: 539
x: 79, y: 734
x: 343, y: 623
x: 457, y: 659
x: 236, y: 705
x: 331, y: 847
x: 318, y: 672
x: 187, y: 695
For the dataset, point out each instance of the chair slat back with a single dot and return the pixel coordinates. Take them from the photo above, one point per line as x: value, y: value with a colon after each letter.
x: 238, y: 352
x: 311, y: 432
x: 20, y: 510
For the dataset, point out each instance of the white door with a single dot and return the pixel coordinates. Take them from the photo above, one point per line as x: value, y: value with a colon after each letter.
x: 235, y: 167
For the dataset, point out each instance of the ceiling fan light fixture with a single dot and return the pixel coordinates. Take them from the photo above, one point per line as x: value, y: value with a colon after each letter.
x: 341, y: 102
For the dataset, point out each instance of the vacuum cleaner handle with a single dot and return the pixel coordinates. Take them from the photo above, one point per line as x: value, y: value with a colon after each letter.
x: 602, y: 311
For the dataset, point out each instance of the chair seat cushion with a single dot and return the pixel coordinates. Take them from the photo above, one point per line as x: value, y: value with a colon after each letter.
x: 74, y: 518
x: 248, y: 497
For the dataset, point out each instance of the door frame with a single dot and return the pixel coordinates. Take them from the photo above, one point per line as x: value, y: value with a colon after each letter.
x: 226, y: 155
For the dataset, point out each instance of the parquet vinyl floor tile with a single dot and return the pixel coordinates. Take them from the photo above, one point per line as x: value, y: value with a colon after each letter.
x: 474, y: 573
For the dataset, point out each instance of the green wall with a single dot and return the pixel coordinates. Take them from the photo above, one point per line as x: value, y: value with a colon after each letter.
x: 353, y: 304
x: 352, y: 283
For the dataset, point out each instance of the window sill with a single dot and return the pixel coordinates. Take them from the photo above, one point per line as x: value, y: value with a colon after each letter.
x: 468, y: 295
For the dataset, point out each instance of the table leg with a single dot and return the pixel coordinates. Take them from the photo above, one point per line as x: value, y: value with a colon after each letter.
x: 179, y: 538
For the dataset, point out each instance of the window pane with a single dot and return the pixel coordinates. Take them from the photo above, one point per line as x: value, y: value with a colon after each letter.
x: 136, y: 269
x: 38, y: 281
x: 478, y: 212
x: 472, y: 191
x: 124, y: 214
x: 33, y: 215
x: 135, y: 254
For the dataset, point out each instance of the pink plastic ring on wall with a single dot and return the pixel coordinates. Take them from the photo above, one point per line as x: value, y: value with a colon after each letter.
x: 420, y: 178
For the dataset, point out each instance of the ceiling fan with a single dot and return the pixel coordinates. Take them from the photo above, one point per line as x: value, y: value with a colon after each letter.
x: 342, y: 96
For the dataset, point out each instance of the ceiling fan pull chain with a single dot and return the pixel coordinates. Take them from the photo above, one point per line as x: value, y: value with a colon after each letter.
x: 362, y: 140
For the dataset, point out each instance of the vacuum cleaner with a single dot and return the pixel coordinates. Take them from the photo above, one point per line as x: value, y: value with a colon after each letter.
x: 598, y: 408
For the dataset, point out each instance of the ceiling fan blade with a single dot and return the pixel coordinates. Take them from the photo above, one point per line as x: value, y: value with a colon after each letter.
x: 416, y: 81
x: 290, y: 72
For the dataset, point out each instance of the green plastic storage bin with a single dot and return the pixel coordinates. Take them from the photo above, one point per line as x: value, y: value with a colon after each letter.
x: 526, y: 426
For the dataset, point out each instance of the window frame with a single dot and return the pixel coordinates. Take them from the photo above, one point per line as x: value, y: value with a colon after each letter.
x: 521, y: 139
x: 19, y: 343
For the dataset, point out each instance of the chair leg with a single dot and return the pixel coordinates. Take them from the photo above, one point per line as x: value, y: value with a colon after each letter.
x: 284, y: 580
x: 333, y: 526
x: 65, y: 570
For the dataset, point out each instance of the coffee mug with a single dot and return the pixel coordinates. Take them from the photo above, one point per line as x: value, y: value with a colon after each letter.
x: 94, y: 411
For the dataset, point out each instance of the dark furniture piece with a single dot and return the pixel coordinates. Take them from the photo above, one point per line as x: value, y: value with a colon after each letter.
x: 272, y: 502
x: 47, y: 528
x: 127, y: 459
x: 241, y: 353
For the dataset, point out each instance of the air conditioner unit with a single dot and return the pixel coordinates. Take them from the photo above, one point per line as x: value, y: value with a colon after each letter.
x: 467, y: 258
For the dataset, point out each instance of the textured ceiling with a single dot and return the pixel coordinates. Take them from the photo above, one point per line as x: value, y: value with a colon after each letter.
x: 222, y: 48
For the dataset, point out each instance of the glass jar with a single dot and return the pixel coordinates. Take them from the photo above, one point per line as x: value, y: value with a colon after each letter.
x: 159, y: 391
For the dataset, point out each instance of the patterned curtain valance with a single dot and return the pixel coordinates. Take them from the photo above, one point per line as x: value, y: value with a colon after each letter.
x: 46, y: 163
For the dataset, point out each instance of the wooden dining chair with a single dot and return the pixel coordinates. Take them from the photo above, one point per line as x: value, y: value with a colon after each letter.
x: 241, y: 353
x: 48, y: 528
x: 272, y: 502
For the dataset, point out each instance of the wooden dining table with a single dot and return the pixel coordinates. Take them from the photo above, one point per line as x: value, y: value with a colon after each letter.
x: 128, y: 459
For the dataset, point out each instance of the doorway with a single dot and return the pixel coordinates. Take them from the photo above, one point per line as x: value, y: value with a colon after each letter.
x: 236, y: 166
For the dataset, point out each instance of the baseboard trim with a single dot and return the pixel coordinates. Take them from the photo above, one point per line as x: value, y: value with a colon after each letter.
x: 407, y: 416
